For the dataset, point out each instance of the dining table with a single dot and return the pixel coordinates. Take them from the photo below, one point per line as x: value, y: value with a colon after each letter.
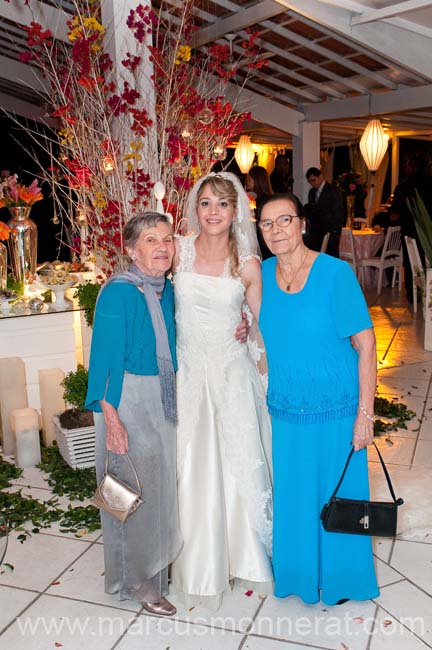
x: 367, y: 243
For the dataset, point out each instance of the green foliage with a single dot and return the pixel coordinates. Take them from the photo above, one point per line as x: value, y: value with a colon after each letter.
x: 77, y: 484
x: 20, y: 510
x: 87, y: 294
x: 423, y: 223
x: 28, y: 516
x: 17, y: 287
x: 75, y: 388
x: 8, y: 472
x: 396, y: 414
x: 80, y: 520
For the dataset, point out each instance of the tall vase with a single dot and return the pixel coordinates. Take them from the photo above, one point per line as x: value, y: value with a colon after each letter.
x: 3, y: 266
x: 350, y: 200
x: 22, y: 245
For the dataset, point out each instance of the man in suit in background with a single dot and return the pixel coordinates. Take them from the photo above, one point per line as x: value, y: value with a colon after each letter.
x: 325, y: 212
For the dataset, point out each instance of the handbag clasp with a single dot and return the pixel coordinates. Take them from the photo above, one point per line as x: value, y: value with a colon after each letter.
x: 365, y: 521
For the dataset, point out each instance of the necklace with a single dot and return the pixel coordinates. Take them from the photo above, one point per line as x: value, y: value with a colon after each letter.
x: 289, y: 283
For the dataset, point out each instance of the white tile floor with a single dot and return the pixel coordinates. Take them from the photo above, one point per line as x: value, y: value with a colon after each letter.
x: 54, y: 598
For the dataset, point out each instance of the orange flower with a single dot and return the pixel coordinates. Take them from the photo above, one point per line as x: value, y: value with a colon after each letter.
x: 28, y: 196
x: 4, y: 231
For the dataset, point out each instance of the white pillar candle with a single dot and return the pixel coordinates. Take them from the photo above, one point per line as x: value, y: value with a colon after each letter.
x: 13, y: 395
x: 23, y: 419
x: 28, y: 452
x: 25, y: 425
x: 52, y: 402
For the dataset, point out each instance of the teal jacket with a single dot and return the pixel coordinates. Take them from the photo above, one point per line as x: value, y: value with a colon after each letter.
x: 123, y: 340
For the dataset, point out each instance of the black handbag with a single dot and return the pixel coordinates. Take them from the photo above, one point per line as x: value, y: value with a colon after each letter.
x: 361, y: 517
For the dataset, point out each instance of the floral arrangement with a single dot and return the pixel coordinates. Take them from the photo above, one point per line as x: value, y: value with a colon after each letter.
x: 351, y: 184
x: 4, y: 231
x: 17, y: 195
x: 160, y: 115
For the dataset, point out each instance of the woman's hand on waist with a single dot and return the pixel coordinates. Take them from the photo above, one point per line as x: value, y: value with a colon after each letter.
x: 242, y: 329
x: 116, y: 434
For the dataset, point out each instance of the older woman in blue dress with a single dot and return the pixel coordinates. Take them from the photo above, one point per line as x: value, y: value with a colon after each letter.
x: 321, y: 353
x: 132, y: 391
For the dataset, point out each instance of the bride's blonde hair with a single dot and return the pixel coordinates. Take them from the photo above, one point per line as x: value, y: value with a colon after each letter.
x: 223, y: 188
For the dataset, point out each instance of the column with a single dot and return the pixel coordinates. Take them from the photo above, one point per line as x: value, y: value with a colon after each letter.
x: 306, y: 153
x: 117, y: 42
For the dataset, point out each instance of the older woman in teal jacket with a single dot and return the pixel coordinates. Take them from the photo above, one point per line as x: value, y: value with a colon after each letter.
x: 132, y: 393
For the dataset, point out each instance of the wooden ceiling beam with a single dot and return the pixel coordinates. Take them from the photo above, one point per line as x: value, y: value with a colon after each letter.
x: 329, y: 54
x: 239, y: 20
x: 386, y: 38
x: 22, y: 73
x: 264, y: 109
x: 404, y: 99
x: 294, y: 58
x: 391, y: 11
x: 50, y: 17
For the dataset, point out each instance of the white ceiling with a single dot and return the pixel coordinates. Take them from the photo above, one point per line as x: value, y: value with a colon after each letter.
x: 332, y: 61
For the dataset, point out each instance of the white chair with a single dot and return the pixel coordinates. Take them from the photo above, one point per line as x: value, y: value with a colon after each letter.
x: 391, y: 257
x: 418, y: 274
x: 325, y: 242
x: 357, y: 222
x: 350, y: 255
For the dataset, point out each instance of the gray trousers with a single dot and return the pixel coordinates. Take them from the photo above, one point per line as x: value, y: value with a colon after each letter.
x: 137, y: 553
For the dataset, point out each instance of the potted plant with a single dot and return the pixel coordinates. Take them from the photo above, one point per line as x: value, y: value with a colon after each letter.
x: 75, y: 432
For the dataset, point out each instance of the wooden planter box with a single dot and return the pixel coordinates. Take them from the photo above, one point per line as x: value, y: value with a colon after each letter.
x: 77, y: 446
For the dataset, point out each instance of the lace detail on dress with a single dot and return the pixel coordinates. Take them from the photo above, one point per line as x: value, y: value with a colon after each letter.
x: 186, y: 253
x: 245, y: 258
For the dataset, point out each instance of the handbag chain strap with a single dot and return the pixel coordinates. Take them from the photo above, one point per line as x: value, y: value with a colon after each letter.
x: 133, y: 470
x: 389, y: 483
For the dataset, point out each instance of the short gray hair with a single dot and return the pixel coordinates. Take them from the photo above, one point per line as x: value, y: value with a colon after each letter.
x: 140, y: 222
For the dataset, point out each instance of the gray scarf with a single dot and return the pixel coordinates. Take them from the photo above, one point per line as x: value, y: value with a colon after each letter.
x: 150, y: 286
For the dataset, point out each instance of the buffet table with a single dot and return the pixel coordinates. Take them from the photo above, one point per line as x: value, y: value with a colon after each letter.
x: 50, y: 339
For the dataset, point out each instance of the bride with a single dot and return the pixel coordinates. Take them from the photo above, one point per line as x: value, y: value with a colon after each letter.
x: 224, y: 482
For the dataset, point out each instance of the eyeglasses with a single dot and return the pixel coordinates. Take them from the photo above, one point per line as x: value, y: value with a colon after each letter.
x: 283, y: 221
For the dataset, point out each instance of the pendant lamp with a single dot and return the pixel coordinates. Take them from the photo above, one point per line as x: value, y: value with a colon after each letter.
x: 244, y: 154
x: 373, y: 145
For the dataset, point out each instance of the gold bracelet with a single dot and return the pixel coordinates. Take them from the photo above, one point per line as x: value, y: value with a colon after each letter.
x: 370, y: 416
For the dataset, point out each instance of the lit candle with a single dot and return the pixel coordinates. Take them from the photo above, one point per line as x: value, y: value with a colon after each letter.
x: 108, y: 164
x: 13, y: 395
x: 23, y: 419
x: 25, y: 425
x: 52, y: 402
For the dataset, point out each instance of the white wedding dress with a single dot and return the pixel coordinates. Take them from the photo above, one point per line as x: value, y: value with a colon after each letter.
x: 224, y: 480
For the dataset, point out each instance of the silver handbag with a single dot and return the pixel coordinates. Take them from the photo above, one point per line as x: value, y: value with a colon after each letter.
x: 115, y: 497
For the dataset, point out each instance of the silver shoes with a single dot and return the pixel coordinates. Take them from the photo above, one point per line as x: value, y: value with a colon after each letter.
x: 161, y: 608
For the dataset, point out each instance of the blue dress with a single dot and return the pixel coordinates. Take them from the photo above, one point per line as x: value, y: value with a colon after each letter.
x: 313, y: 400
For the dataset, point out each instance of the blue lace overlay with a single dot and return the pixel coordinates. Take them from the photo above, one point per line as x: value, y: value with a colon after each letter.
x: 313, y: 367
